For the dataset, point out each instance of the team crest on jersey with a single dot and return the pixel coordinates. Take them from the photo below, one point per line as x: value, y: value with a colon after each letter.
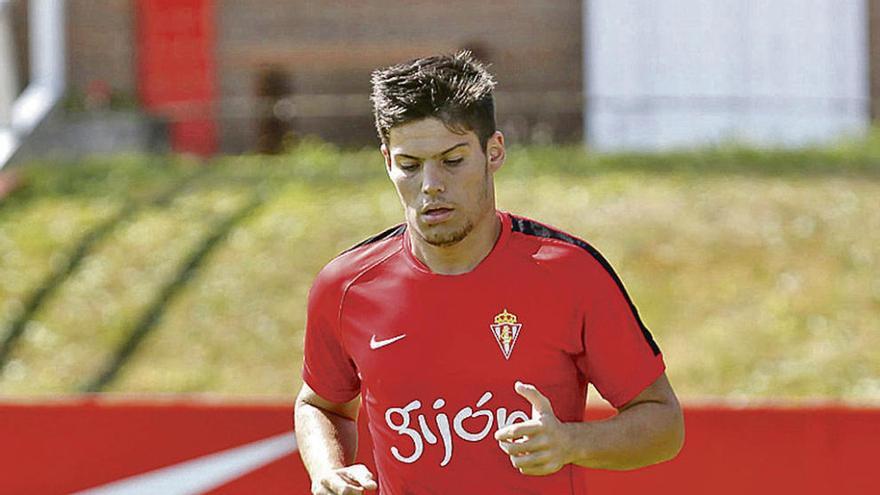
x: 506, y: 330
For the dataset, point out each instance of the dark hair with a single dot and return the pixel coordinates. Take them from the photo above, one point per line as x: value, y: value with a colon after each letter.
x: 457, y: 89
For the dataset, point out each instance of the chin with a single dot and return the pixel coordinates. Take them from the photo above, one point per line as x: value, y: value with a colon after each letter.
x: 445, y: 237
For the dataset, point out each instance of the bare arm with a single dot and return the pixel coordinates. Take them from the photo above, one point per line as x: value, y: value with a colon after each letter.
x: 326, y: 433
x: 647, y: 430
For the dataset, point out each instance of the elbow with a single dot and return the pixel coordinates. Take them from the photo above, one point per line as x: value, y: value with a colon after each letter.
x: 669, y: 440
x: 666, y: 442
x: 675, y: 436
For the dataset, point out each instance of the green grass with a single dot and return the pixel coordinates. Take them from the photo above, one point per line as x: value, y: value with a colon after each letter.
x: 757, y: 271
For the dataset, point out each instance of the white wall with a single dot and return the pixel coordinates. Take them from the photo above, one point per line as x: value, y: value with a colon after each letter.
x: 671, y: 73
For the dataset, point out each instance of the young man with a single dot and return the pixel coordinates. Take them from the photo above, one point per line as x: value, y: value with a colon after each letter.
x: 470, y: 334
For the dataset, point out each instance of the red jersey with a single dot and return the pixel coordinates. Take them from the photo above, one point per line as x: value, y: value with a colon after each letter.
x: 435, y: 357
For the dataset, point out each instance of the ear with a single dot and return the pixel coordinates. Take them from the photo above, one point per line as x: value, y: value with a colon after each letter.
x: 495, y: 153
x: 387, y: 157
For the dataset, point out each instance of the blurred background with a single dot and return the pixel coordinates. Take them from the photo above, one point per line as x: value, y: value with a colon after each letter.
x: 173, y: 174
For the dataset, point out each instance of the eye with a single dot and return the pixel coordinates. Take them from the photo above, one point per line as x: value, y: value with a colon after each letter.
x: 408, y: 166
x: 453, y: 161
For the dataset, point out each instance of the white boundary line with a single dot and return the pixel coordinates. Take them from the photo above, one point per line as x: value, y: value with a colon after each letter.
x: 204, y: 473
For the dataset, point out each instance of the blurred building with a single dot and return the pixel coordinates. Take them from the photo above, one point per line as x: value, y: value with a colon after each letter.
x: 204, y: 63
x: 684, y: 72
x: 234, y: 75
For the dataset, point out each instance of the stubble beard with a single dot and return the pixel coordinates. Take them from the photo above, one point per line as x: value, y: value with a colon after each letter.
x: 447, y: 239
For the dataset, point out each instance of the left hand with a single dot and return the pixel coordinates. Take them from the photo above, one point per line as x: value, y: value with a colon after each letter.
x: 539, y: 446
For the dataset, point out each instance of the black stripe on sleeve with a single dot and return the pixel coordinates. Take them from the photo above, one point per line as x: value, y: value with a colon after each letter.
x: 387, y: 234
x: 530, y: 227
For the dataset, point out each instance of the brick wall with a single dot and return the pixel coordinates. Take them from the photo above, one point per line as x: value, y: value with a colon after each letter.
x: 101, y: 44
x: 20, y: 39
x: 331, y: 47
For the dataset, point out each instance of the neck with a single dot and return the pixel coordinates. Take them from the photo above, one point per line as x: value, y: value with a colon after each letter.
x: 464, y: 255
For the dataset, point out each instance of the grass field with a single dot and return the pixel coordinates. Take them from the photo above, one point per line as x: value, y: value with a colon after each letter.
x: 757, y: 271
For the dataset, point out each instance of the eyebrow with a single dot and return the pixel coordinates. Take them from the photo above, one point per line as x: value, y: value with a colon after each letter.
x: 447, y: 150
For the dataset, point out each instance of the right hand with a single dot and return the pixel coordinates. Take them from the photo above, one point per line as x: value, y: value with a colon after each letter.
x: 349, y: 480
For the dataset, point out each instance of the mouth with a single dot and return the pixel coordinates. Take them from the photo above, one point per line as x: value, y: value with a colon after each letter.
x: 437, y: 213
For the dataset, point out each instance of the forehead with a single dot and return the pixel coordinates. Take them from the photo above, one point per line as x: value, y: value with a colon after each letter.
x: 425, y: 138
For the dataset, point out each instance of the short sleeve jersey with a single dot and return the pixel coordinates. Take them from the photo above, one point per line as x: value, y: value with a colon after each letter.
x: 435, y: 357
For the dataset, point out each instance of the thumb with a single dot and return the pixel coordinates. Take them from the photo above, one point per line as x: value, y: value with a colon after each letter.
x: 362, y: 476
x: 540, y: 404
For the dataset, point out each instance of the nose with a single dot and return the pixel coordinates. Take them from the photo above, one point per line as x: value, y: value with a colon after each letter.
x: 433, y: 181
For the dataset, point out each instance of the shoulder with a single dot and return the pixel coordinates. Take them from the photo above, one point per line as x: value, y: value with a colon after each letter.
x: 554, y: 247
x: 342, y: 270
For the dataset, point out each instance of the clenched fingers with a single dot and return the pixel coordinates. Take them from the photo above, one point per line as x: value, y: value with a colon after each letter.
x: 531, y: 460
x: 533, y: 444
x: 360, y: 475
x: 337, y: 485
x: 518, y: 430
x: 352, y: 480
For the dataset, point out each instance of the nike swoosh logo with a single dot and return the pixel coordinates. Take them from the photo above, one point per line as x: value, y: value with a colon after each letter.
x: 376, y: 344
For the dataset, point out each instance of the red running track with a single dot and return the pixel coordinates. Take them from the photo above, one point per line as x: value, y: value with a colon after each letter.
x: 76, y: 444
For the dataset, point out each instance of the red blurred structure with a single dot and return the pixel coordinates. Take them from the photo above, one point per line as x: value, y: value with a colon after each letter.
x: 177, y: 69
x: 78, y: 444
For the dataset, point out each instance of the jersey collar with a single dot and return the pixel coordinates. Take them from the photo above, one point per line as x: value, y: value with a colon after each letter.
x: 488, y: 261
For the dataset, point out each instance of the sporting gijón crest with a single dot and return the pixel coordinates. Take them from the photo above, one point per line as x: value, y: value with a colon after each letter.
x: 506, y: 330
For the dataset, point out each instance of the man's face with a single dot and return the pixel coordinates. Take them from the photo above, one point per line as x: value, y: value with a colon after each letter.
x: 444, y: 180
